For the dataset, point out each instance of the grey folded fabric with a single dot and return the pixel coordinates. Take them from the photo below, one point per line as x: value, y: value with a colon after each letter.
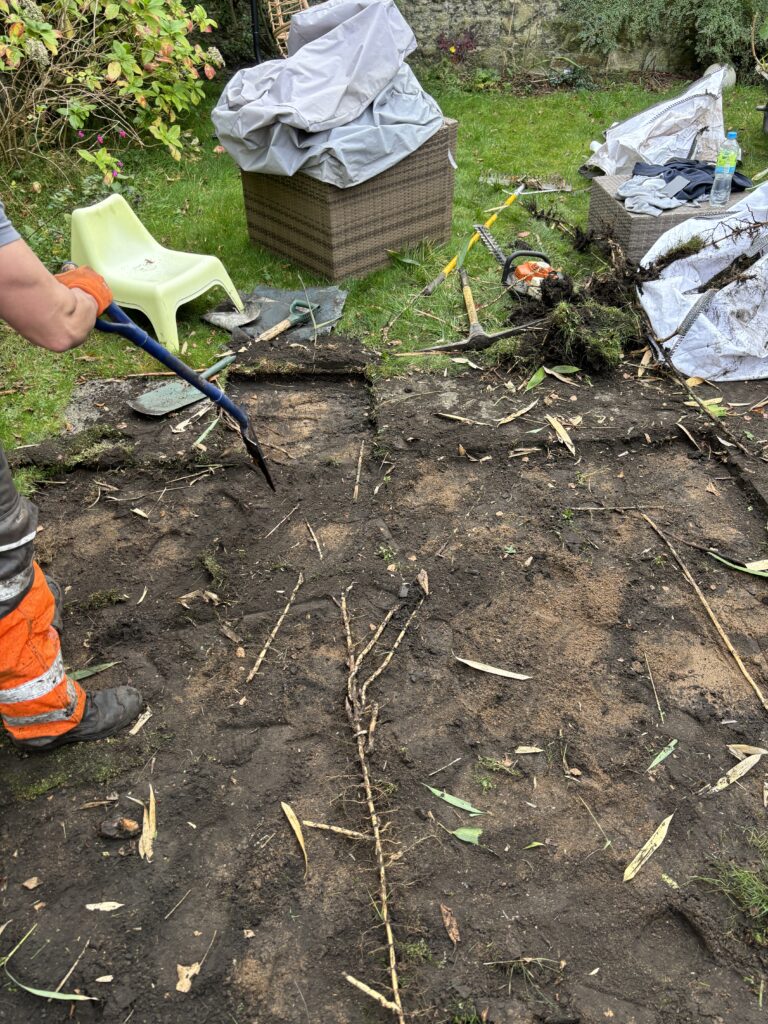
x: 647, y: 195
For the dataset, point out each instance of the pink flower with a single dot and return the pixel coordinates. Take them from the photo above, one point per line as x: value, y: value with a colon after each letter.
x: 114, y: 174
x: 81, y: 135
x: 100, y: 139
x: 120, y: 164
x: 122, y: 134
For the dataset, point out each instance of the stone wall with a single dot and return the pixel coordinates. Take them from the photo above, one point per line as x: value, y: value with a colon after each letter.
x: 505, y: 29
x: 516, y: 33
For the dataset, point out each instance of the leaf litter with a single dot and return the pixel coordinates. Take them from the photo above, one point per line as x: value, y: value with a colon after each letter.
x: 647, y: 851
x: 450, y: 924
x: 738, y: 771
x: 149, y: 828
x: 295, y: 824
x: 480, y: 666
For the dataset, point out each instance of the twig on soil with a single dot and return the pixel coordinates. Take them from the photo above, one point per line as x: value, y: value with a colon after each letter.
x: 600, y: 827
x: 70, y: 972
x: 356, y: 492
x: 283, y: 520
x: 304, y: 1001
x: 177, y: 905
x: 348, y: 832
x: 362, y: 721
x: 653, y: 684
x: 715, y: 622
x: 437, y: 770
x: 273, y: 634
x: 314, y: 538
x: 613, y: 508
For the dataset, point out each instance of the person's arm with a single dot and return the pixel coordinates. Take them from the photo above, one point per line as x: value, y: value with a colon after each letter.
x: 42, y: 309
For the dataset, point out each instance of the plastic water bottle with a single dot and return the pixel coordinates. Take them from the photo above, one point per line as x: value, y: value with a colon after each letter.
x: 724, y: 170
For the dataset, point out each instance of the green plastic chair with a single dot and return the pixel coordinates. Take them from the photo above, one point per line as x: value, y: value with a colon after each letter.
x: 143, y: 274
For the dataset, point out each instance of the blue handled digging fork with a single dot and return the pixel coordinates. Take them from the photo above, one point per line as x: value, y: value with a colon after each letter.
x: 119, y: 323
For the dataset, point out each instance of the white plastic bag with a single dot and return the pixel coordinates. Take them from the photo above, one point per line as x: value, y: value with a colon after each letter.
x: 667, y: 130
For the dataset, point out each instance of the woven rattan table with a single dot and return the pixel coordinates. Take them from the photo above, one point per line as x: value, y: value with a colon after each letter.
x: 634, y: 232
x: 346, y: 232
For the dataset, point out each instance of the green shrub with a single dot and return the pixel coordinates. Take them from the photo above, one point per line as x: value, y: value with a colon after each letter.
x: 92, y: 72
x: 710, y: 29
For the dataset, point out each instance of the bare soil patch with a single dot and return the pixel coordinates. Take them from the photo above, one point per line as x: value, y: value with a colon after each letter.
x: 522, y: 576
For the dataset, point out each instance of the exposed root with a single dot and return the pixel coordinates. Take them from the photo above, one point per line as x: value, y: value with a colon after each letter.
x: 362, y: 719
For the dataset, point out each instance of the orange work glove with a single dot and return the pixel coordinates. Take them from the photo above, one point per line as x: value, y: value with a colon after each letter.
x: 88, y: 281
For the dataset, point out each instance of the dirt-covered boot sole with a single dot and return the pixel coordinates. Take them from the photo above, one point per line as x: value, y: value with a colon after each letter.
x: 106, y: 713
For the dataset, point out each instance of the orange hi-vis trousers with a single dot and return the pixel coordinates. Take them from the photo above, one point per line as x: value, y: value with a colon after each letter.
x: 36, y: 697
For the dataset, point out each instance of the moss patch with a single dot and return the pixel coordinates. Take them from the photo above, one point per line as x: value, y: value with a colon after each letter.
x: 81, y: 764
x: 215, y: 569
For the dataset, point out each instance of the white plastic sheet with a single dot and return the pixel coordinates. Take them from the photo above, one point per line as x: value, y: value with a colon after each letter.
x: 667, y: 129
x: 342, y: 107
x: 728, y: 338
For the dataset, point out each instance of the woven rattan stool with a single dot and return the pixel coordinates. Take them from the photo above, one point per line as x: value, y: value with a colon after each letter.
x: 346, y: 232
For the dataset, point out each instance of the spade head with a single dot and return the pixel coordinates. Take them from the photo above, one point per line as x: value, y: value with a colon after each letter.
x: 254, y: 450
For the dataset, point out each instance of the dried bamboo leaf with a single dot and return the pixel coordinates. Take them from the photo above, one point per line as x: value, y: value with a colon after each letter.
x: 490, y: 669
x: 648, y: 850
x: 149, y: 829
x: 107, y: 906
x: 516, y: 415
x: 451, y: 924
x: 742, y: 750
x: 761, y: 565
x: 737, y: 772
x: 296, y: 826
x: 562, y: 433
x: 529, y: 750
x: 423, y: 580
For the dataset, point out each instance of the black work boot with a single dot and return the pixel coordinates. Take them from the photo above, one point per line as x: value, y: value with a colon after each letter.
x: 106, y: 713
x: 58, y: 598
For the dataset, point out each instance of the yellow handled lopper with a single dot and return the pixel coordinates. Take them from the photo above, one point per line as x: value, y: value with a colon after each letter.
x: 451, y: 266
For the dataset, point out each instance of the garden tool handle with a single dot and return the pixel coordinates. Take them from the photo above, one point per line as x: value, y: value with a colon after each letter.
x: 300, y: 311
x: 121, y: 324
x: 222, y: 364
x: 451, y: 265
x: 469, y: 300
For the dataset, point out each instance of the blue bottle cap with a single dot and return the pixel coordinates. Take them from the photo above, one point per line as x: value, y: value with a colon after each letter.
x: 731, y: 135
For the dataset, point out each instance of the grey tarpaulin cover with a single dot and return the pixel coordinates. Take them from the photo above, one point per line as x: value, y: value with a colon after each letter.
x: 341, y: 108
x: 666, y: 130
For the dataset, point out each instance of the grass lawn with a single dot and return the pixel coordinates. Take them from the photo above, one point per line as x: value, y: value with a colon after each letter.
x: 197, y: 205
